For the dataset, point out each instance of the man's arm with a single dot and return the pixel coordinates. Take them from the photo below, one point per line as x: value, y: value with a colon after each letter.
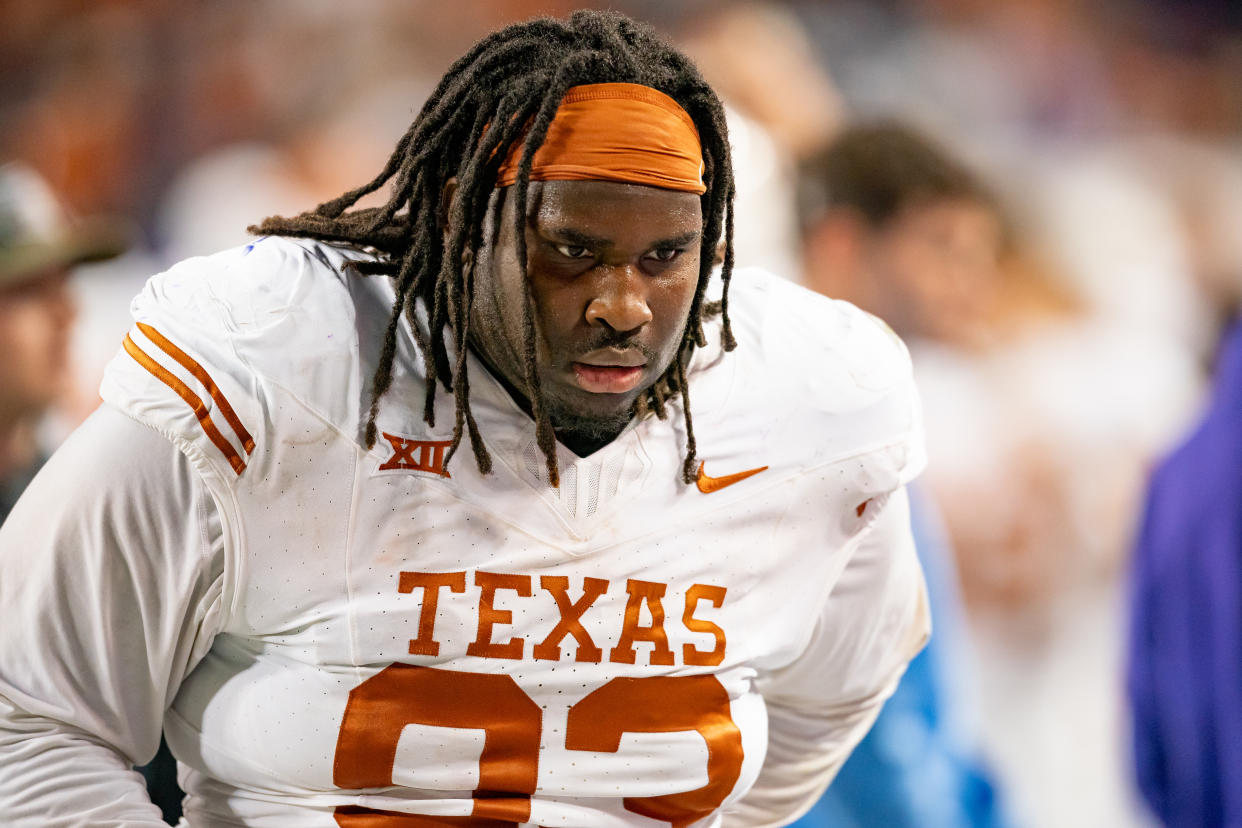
x: 111, y: 580
x: 873, y: 622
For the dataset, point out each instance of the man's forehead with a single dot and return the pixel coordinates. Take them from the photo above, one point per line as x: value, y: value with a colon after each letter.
x: 602, y: 202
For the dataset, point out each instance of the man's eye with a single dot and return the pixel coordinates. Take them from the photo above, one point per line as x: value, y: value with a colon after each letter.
x: 665, y: 254
x: 572, y: 251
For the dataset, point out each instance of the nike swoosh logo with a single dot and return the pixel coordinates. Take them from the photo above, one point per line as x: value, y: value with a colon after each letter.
x: 707, y: 485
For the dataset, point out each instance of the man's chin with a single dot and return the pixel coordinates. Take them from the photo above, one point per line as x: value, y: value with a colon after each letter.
x: 599, y: 425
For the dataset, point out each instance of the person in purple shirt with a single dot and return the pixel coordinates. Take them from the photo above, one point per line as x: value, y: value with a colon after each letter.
x: 1185, y: 650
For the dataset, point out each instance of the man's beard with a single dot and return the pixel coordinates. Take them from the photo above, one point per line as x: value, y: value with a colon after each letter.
x: 589, y: 427
x: 604, y: 426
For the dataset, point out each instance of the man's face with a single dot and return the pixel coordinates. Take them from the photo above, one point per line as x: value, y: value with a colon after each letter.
x: 35, y: 318
x: 612, y: 270
x: 939, y: 262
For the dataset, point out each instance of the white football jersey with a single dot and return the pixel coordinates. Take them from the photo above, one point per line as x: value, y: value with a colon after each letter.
x: 403, y: 641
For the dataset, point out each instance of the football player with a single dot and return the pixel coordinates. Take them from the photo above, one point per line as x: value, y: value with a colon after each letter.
x: 606, y: 613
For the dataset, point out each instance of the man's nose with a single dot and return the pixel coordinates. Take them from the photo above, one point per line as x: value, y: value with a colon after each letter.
x: 620, y: 300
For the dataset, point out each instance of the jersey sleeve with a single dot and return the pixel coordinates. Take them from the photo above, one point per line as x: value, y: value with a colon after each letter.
x: 215, y: 337
x: 179, y: 369
x: 114, y: 582
x: 875, y: 619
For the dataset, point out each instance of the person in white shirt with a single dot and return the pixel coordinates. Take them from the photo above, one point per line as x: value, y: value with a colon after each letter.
x: 613, y: 613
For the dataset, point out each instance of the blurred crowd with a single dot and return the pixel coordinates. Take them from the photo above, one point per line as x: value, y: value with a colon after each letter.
x: 1043, y: 197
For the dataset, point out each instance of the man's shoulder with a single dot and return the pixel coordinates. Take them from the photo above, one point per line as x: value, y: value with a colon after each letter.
x: 287, y: 309
x: 814, y: 374
x: 809, y: 349
x: 220, y: 342
x: 254, y: 286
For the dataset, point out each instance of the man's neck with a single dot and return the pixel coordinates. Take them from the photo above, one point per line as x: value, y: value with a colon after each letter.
x: 587, y: 442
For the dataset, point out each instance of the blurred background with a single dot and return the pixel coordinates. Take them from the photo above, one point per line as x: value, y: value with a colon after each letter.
x: 1063, y: 287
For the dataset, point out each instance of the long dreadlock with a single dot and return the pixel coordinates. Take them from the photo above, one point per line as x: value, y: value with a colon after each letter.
x: 506, y: 90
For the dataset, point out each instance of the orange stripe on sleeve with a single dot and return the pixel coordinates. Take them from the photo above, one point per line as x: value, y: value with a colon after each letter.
x: 191, y: 399
x: 201, y: 375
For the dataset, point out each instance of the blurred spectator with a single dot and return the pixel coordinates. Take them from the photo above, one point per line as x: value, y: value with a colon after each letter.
x: 1040, y: 418
x: 1185, y: 657
x: 39, y: 247
x: 899, y: 228
x: 1022, y: 385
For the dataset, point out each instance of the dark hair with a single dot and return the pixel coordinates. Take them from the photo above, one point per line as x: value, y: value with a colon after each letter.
x: 505, y: 91
x: 879, y: 169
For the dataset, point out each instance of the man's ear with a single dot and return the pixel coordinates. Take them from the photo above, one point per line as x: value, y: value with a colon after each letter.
x: 446, y: 203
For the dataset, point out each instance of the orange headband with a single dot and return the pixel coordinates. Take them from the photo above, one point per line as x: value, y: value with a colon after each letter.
x: 616, y: 132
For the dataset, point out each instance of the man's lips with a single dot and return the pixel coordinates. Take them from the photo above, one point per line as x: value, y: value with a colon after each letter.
x: 607, y: 379
x: 610, y: 369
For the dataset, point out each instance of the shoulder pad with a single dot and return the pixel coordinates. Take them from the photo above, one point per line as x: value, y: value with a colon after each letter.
x: 211, y: 331
x: 825, y: 380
